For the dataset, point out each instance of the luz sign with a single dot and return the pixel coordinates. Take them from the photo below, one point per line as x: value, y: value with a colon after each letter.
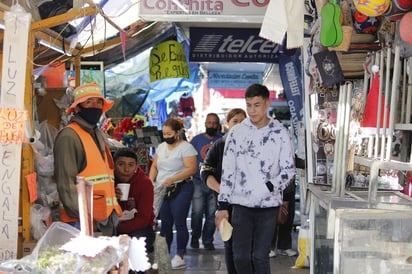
x: 17, y: 24
x: 168, y: 60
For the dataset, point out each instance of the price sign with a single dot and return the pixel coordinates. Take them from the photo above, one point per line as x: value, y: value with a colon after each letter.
x: 168, y: 60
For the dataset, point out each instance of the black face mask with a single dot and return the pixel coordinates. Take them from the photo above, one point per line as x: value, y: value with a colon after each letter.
x: 91, y: 115
x: 211, y: 131
x: 170, y: 140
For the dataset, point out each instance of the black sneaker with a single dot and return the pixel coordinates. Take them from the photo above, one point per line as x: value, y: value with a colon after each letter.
x: 210, y: 246
x: 194, y: 243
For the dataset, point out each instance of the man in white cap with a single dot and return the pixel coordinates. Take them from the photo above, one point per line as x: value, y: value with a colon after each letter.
x: 81, y: 149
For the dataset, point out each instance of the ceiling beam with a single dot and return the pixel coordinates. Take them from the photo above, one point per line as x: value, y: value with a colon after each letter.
x: 63, y: 18
x: 103, y: 46
x: 4, y: 7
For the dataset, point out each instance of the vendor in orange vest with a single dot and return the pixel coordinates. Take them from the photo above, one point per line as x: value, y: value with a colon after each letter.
x: 80, y: 149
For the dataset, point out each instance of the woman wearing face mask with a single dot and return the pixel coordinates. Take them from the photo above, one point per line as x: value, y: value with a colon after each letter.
x: 173, y: 165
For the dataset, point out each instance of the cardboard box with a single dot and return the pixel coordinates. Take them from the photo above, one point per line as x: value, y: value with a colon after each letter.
x: 28, y: 248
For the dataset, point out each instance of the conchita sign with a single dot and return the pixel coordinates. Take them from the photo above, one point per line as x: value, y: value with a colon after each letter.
x: 247, y: 11
x: 231, y: 45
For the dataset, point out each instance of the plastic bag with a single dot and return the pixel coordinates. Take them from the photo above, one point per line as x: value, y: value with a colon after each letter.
x: 40, y: 219
x: 303, y: 259
x: 44, y: 159
x: 159, y: 194
x: 48, y: 256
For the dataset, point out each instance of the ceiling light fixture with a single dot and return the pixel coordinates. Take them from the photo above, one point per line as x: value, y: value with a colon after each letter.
x: 54, y: 47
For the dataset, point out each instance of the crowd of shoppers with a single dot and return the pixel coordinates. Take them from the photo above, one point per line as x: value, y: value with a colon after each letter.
x: 242, y: 176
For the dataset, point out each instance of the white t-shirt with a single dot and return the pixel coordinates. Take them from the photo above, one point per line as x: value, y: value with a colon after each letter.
x: 170, y: 162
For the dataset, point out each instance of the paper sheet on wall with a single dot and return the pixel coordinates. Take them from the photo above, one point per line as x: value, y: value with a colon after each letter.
x: 17, y: 25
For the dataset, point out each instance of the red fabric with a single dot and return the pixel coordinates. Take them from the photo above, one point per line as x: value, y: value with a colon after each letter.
x: 370, y: 114
x: 141, y: 190
x: 54, y: 76
x: 186, y: 106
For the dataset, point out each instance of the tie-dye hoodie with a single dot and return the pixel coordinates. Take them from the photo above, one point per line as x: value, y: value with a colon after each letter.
x: 252, y: 157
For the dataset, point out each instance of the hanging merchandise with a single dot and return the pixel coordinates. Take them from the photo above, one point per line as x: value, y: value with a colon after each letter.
x: 291, y: 77
x: 372, y: 7
x: 347, y: 28
x: 329, y: 68
x: 331, y: 30
x: 371, y: 107
x: 366, y: 24
x: 397, y: 9
x: 405, y: 28
x: 186, y: 106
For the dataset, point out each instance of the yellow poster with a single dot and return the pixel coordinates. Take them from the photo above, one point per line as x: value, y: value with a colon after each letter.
x: 168, y: 60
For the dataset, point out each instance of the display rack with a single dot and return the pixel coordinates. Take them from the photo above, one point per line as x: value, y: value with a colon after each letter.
x: 334, y: 209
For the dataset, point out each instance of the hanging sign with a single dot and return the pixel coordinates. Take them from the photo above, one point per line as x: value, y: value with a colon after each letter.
x: 291, y: 75
x: 13, y: 116
x: 168, y: 60
x: 233, y: 80
x: 247, y: 11
x: 231, y: 45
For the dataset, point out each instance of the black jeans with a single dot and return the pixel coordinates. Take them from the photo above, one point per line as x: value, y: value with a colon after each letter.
x: 251, y: 236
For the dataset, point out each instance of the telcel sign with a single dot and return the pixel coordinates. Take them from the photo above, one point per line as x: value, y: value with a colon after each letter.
x: 231, y: 45
x: 247, y: 11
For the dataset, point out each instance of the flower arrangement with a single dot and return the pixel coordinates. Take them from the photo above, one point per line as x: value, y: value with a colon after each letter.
x: 125, y: 131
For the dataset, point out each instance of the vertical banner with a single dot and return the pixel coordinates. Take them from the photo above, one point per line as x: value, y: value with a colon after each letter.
x: 12, y: 120
x: 290, y: 69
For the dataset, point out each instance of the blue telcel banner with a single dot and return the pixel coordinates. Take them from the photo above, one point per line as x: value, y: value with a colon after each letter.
x: 291, y: 75
x: 230, y: 45
x: 233, y: 80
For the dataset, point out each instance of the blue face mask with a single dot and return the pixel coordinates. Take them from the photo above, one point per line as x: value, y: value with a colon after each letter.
x: 91, y: 115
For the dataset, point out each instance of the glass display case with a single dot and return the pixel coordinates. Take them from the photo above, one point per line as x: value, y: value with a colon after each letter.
x: 372, y: 241
x: 351, y: 234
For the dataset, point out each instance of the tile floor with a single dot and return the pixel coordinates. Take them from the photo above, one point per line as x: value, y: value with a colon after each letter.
x: 200, y: 261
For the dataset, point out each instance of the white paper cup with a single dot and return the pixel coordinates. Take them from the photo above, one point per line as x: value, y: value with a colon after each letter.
x: 125, y: 191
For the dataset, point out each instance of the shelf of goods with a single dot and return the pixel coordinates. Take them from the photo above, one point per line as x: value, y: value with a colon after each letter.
x: 338, y: 216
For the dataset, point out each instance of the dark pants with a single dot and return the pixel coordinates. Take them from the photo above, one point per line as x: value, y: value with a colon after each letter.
x: 204, y: 203
x: 252, y: 230
x: 282, y: 236
x: 174, y: 212
x: 230, y: 264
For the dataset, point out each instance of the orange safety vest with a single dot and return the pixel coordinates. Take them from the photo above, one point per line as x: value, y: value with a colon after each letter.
x: 99, y: 172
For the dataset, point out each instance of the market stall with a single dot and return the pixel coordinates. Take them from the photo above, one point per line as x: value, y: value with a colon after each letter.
x: 356, y: 201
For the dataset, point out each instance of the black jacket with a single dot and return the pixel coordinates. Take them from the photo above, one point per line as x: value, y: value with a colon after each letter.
x: 212, y: 164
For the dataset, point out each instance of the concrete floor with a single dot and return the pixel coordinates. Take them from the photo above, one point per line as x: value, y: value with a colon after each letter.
x: 200, y: 261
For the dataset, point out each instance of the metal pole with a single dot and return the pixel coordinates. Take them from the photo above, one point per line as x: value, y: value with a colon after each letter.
x: 386, y: 109
x: 394, y: 100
